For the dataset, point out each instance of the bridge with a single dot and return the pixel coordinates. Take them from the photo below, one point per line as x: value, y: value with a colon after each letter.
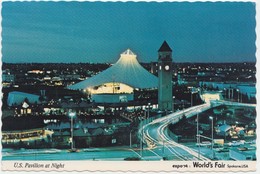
x: 224, y: 102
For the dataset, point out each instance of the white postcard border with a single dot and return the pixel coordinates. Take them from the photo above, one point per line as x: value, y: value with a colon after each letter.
x: 158, y: 167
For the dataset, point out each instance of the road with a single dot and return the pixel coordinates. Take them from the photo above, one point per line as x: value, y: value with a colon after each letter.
x: 156, y: 136
x: 96, y: 154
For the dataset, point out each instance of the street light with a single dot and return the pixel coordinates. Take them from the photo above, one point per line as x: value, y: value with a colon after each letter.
x: 212, y: 138
x: 191, y: 92
x: 142, y: 137
x: 163, y: 148
x: 191, y: 98
x: 237, y: 95
x: 225, y: 93
x: 198, y: 136
x: 130, y: 138
x: 148, y: 113
x: 232, y: 94
x: 173, y: 97
x: 71, y: 115
x: 229, y: 89
x: 182, y: 101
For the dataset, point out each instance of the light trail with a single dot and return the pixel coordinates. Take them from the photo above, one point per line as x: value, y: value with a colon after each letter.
x: 174, y: 118
x: 163, y: 137
x: 136, y: 153
x: 154, y: 153
x: 149, y: 137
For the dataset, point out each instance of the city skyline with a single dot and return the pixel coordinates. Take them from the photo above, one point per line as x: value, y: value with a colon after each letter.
x: 99, y: 32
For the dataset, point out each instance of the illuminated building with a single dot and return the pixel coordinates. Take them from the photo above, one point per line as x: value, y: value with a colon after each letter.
x: 117, y: 83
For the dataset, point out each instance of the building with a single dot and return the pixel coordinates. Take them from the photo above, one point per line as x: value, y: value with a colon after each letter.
x: 7, y: 78
x: 207, y: 96
x: 117, y: 83
x: 165, y: 101
x: 17, y: 98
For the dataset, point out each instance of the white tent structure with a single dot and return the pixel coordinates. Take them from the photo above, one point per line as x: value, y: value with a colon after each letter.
x: 126, y: 70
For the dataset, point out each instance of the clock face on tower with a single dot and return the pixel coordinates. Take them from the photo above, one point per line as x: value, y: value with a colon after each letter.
x: 167, y: 67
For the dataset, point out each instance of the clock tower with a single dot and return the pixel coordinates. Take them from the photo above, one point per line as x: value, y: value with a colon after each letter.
x: 165, y: 77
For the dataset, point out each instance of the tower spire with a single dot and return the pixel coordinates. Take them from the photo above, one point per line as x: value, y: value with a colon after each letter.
x: 165, y: 47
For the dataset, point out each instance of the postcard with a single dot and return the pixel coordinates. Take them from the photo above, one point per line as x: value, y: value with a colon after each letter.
x: 129, y: 86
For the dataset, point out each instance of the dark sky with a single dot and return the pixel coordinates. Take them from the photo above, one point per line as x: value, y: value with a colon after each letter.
x: 99, y: 32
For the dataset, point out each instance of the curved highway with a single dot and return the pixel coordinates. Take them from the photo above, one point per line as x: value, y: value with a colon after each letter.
x: 158, y: 140
x: 156, y: 135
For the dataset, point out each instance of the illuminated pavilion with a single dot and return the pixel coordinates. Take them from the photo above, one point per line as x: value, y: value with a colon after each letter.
x: 117, y: 83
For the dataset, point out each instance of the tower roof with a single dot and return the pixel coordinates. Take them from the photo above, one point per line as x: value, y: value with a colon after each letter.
x: 126, y: 70
x: 128, y: 52
x: 165, y: 47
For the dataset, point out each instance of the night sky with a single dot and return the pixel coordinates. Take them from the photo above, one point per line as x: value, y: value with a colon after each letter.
x: 98, y: 32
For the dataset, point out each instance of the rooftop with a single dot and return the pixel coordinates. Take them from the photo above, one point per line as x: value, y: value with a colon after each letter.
x: 165, y: 47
